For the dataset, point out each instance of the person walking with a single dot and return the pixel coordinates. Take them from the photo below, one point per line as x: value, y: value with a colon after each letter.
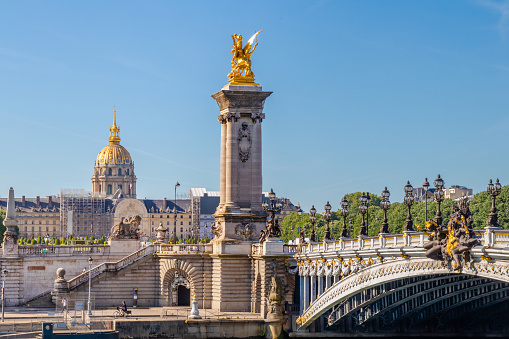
x: 64, y: 305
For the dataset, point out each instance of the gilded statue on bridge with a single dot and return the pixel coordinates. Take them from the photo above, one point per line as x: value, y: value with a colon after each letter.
x: 241, y: 73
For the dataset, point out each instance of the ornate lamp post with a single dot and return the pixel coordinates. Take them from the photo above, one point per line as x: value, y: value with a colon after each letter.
x: 425, y: 185
x: 439, y: 197
x: 327, y: 217
x: 368, y: 197
x: 385, y: 204
x: 275, y: 206
x: 409, y: 200
x: 175, y: 213
x: 90, y: 260
x: 344, y: 214
x: 312, y: 220
x: 493, y: 190
x: 299, y: 212
x: 363, y: 209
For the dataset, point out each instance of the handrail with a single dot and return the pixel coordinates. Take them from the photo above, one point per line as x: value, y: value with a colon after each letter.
x: 110, y: 266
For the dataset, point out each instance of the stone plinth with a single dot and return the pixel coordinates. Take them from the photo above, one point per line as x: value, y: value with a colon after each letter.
x: 124, y: 246
x: 273, y: 246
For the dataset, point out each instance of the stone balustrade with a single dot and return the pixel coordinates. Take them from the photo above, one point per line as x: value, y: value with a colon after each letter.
x: 184, y: 248
x: 62, y: 250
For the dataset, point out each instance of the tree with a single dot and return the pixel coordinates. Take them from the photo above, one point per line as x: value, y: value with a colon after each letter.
x: 2, y: 227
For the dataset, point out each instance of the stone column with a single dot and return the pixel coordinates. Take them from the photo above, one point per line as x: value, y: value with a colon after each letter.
x: 256, y: 197
x: 222, y: 176
x: 306, y: 293
x: 302, y: 291
x: 313, y: 288
x: 320, y: 285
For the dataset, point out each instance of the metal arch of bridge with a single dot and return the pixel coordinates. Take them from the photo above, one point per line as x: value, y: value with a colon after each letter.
x: 369, y: 275
x: 420, y: 297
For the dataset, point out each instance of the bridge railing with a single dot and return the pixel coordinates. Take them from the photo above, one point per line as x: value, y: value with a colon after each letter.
x: 491, y: 236
x: 62, y: 250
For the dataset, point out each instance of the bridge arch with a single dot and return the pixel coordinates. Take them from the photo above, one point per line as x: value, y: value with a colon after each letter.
x: 375, y: 274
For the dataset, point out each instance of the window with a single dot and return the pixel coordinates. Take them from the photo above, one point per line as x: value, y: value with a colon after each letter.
x: 109, y: 188
x: 182, y: 223
x: 181, y: 229
x: 25, y: 228
x: 167, y: 223
x: 189, y: 223
x: 119, y: 171
x: 54, y: 229
x: 119, y: 187
x: 32, y: 228
x: 152, y: 223
x: 161, y: 216
x: 40, y: 228
x: 54, y: 222
x: 168, y: 216
x: 181, y: 216
x: 109, y: 171
x: 47, y: 222
x: 26, y: 222
x: 47, y: 229
x: 127, y: 171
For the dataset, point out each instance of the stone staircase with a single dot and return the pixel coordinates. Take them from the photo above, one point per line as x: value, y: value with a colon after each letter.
x: 99, y: 274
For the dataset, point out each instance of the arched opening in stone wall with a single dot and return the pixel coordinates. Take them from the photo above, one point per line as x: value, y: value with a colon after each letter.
x: 179, y: 290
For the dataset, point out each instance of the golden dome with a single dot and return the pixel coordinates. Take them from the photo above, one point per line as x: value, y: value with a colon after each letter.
x: 114, y: 153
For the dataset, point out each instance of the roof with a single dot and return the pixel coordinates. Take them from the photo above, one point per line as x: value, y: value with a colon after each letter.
x: 201, y: 192
x: 31, y: 205
x: 156, y: 206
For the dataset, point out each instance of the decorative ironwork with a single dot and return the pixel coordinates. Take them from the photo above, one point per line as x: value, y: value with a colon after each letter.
x: 344, y: 214
x: 363, y: 208
x: 493, y: 190
x: 385, y: 204
x: 273, y: 229
x: 409, y: 200
x: 327, y: 217
x: 312, y: 220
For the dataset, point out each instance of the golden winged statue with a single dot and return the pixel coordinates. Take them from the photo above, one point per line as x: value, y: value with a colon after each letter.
x: 241, y: 73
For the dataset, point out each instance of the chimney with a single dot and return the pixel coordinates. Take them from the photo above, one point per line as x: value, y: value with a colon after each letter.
x: 50, y: 201
x: 38, y: 201
x: 23, y: 201
x: 164, y: 204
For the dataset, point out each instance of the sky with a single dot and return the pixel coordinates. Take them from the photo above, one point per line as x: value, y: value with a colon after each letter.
x: 366, y: 94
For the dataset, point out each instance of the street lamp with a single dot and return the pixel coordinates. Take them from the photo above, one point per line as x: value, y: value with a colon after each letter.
x: 175, y: 213
x: 327, y: 217
x: 439, y: 197
x: 273, y: 229
x: 363, y: 209
x: 425, y: 185
x: 385, y: 204
x: 409, y: 200
x: 4, y: 275
x: 90, y: 260
x: 493, y: 190
x: 344, y: 214
x: 367, y: 212
x: 312, y: 220
x: 299, y: 212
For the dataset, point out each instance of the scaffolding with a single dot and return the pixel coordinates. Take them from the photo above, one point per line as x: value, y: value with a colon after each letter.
x: 195, y: 217
x: 85, y: 214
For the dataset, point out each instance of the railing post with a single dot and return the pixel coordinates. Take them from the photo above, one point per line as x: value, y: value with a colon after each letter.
x: 383, y: 240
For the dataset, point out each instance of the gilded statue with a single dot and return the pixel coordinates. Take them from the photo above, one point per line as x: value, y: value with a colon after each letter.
x: 241, y: 73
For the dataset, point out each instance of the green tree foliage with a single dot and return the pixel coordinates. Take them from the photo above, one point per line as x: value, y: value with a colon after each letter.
x: 396, y: 217
x: 2, y: 227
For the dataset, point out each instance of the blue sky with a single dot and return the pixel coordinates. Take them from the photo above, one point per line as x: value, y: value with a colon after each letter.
x: 367, y: 94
